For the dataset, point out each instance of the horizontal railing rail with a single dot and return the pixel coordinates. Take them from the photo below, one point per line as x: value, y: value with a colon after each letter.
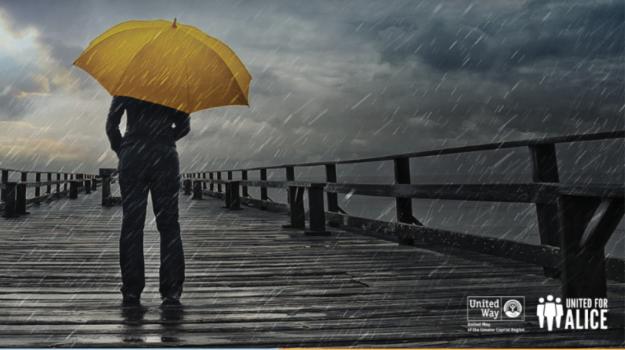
x: 575, y: 222
x: 514, y: 193
x: 602, y: 136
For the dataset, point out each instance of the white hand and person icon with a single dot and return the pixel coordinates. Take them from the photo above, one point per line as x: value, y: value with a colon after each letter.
x: 550, y: 311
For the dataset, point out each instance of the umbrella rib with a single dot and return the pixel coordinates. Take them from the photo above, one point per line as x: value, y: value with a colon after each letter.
x: 197, y: 34
x: 108, y: 38
x: 100, y: 39
x: 224, y: 61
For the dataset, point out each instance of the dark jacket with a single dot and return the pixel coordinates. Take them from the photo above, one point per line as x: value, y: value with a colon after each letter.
x: 145, y: 121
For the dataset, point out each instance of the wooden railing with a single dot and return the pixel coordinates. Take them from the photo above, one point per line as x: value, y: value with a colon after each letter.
x: 14, y: 194
x: 574, y: 222
x: 109, y: 176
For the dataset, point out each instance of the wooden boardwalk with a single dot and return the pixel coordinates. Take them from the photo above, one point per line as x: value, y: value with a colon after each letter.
x: 252, y: 283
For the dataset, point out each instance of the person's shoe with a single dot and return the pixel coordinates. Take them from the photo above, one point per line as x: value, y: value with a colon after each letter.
x: 131, y: 300
x: 171, y: 302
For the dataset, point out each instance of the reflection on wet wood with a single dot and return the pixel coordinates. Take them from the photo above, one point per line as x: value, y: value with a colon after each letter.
x: 252, y: 283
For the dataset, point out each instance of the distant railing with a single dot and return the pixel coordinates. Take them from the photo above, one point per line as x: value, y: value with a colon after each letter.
x: 575, y: 222
x: 14, y: 194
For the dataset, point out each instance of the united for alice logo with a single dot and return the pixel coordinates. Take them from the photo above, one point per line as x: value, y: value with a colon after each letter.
x: 574, y: 313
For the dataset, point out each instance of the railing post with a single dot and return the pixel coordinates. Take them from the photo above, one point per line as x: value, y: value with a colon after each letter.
x: 403, y: 205
x: 9, y: 192
x: 290, y: 191
x: 94, y: 183
x: 333, y: 203
x: 296, y: 208
x: 37, y: 187
x: 295, y: 198
x: 317, y: 218
x: 582, y: 270
x: 49, y: 185
x: 73, y: 189
x: 219, y: 184
x: 545, y: 169
x: 65, y: 183
x: 204, y: 183
x: 186, y: 186
x: 21, y: 193
x: 106, y: 187
x: 244, y: 192
x: 263, y: 189
x: 80, y: 177
x: 5, y: 179
x: 197, y: 190
x: 20, y: 199
x: 211, y: 186
x: 232, y: 197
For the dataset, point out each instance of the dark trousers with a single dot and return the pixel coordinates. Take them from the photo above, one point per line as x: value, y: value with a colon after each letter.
x: 145, y: 167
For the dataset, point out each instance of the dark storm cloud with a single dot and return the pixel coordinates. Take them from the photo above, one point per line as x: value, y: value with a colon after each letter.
x: 447, y: 47
x: 15, y: 89
x: 544, y: 67
x: 512, y: 37
x: 60, y: 51
x: 61, y: 19
x: 12, y: 108
x: 354, y: 78
x: 579, y: 29
x: 61, y: 24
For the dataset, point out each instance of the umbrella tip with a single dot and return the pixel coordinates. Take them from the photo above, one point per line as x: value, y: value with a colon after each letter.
x: 174, y: 24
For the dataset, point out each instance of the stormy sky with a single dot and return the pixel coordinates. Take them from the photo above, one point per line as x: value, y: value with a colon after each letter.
x: 331, y: 79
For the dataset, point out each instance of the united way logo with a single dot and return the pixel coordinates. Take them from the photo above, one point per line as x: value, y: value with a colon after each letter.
x: 549, y: 312
x: 495, y: 314
x: 495, y: 308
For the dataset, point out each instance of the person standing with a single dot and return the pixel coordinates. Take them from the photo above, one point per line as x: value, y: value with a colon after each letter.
x: 148, y: 163
x: 550, y: 312
x: 559, y: 312
x: 540, y: 312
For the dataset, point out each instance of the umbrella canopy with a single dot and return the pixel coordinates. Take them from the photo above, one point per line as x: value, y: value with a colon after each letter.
x: 168, y: 63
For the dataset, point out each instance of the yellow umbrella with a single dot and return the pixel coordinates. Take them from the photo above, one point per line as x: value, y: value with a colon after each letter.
x: 168, y: 63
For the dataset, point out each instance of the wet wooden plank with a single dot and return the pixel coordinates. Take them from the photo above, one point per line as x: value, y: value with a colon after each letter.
x: 252, y: 283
